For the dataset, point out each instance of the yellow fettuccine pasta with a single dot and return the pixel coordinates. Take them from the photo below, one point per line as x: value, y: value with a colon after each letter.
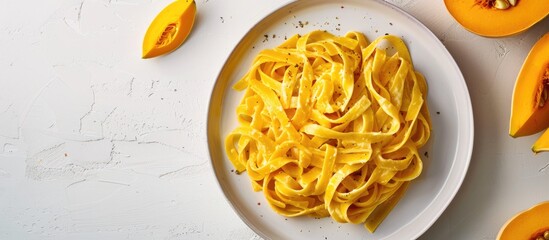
x: 331, y: 126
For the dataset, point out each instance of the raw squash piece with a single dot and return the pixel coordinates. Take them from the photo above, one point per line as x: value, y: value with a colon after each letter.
x: 529, y: 224
x: 529, y: 112
x: 169, y: 29
x: 542, y: 144
x: 484, y: 18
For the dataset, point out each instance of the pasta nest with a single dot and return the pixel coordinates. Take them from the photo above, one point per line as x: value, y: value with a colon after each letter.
x: 331, y: 126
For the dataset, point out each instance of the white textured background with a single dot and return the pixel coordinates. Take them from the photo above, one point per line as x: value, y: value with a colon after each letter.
x: 96, y: 143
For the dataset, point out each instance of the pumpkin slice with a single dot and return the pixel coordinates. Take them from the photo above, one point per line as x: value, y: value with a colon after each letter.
x: 542, y: 144
x: 169, y: 29
x: 529, y: 112
x: 484, y: 18
x: 529, y: 224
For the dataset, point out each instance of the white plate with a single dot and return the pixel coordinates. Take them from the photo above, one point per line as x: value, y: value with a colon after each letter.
x: 449, y: 149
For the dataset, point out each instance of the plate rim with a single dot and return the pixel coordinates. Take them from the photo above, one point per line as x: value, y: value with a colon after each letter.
x: 466, y: 113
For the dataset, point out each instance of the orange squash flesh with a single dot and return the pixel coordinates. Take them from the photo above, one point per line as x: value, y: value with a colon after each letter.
x: 527, y: 224
x: 491, y: 22
x: 169, y: 29
x: 542, y: 144
x: 527, y: 115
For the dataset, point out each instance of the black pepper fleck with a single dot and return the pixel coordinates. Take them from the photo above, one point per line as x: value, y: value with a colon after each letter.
x: 426, y: 154
x: 438, y: 112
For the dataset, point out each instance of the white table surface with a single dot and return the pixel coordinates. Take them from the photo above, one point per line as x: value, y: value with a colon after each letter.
x: 96, y: 143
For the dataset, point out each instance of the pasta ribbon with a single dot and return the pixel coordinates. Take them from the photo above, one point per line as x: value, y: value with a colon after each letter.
x: 331, y: 126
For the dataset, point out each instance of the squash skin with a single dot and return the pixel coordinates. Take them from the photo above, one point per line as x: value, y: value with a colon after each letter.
x: 497, y: 23
x: 526, y: 117
x: 526, y: 224
x: 180, y: 16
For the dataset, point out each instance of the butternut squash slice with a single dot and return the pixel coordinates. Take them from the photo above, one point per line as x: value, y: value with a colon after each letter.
x: 530, y: 110
x: 529, y: 224
x: 484, y: 18
x: 169, y: 29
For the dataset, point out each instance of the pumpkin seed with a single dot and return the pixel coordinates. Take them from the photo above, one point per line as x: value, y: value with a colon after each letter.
x: 501, y: 4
